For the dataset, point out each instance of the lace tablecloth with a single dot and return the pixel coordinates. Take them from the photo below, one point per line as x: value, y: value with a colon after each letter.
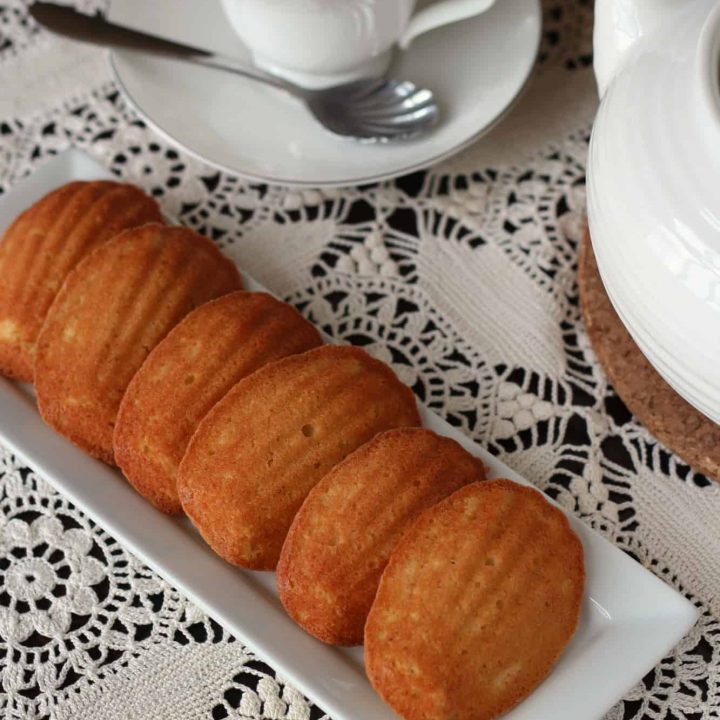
x: 462, y: 277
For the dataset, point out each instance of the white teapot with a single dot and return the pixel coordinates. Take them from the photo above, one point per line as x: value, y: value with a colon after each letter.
x: 654, y: 184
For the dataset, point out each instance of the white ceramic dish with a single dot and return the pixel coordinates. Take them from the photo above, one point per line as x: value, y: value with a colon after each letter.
x: 476, y: 67
x: 630, y: 619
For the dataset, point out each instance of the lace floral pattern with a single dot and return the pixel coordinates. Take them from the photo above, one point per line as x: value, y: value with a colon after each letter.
x: 461, y: 277
x: 73, y: 603
x: 18, y: 30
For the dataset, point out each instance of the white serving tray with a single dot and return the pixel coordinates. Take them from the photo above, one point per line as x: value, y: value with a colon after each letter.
x: 630, y: 619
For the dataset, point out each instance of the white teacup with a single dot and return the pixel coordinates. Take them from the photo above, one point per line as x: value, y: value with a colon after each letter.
x: 316, y: 43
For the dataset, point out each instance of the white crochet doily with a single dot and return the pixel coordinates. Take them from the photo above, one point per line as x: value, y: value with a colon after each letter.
x: 462, y: 277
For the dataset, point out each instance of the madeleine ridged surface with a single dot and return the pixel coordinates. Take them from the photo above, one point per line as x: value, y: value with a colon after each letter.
x: 345, y: 531
x: 44, y: 244
x: 112, y: 310
x: 477, y: 603
x: 213, y: 348
x: 262, y: 448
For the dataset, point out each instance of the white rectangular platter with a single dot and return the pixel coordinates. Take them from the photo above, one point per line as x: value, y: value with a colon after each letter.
x: 630, y: 619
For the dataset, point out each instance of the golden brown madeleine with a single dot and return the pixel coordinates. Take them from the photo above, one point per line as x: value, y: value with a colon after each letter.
x: 345, y: 531
x: 262, y: 448
x: 213, y: 348
x: 41, y: 247
x: 479, y: 599
x: 111, y: 311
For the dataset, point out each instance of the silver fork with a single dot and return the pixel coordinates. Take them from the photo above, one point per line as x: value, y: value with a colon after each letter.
x: 374, y: 109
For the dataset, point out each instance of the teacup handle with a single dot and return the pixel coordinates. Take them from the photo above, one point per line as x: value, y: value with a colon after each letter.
x: 442, y: 13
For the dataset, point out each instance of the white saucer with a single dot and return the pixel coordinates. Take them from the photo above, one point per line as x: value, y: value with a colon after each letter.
x: 476, y: 68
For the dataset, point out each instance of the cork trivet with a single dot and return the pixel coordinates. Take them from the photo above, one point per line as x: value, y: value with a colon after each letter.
x: 672, y: 420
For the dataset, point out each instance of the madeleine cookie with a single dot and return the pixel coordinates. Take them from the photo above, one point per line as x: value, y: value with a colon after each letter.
x: 479, y: 599
x: 216, y: 345
x: 343, y: 535
x: 262, y: 448
x: 44, y: 244
x: 112, y: 310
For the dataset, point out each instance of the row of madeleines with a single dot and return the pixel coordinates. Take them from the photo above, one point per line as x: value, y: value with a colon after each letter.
x: 286, y: 453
